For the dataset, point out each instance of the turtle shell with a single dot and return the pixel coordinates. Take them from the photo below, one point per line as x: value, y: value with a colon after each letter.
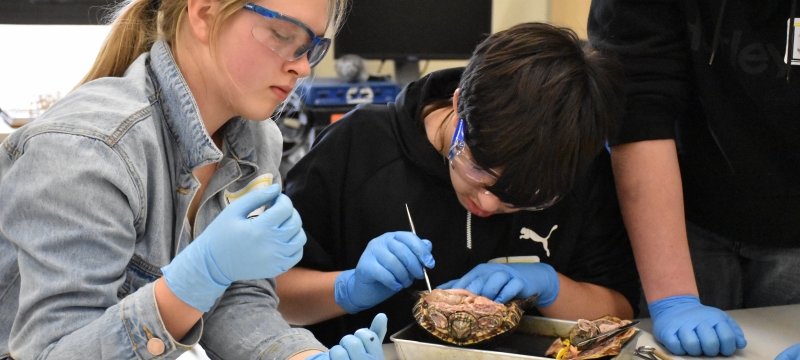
x: 459, y: 317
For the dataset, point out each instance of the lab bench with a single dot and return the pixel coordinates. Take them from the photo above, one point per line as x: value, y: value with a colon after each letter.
x: 769, y: 331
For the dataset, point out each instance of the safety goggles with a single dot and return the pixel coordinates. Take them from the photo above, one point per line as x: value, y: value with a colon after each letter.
x: 288, y: 37
x: 462, y: 163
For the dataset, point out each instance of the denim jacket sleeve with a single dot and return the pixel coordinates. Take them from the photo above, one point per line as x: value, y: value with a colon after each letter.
x: 72, y: 218
x: 260, y: 332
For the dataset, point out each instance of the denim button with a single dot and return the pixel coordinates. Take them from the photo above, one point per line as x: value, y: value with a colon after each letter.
x: 155, y: 346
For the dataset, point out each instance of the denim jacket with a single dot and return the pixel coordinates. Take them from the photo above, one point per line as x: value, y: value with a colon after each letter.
x: 93, y: 202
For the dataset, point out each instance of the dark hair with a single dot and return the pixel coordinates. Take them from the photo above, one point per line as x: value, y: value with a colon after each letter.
x: 539, y: 105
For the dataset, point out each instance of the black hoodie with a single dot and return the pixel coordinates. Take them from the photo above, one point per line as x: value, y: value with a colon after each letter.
x: 353, y: 184
x: 711, y: 74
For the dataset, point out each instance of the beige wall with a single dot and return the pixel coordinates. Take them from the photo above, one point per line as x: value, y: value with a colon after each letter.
x: 505, y: 13
x: 570, y: 13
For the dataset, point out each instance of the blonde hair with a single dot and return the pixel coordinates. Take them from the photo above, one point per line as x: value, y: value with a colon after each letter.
x: 137, y: 24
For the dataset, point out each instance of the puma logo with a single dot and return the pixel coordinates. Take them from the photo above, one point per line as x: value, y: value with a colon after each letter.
x: 529, y: 234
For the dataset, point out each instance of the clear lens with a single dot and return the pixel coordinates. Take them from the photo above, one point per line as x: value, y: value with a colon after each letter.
x: 318, y: 51
x: 462, y: 164
x: 287, y: 39
x: 539, y: 207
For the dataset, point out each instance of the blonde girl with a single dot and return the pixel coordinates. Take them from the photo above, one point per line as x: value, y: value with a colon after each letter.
x: 143, y: 214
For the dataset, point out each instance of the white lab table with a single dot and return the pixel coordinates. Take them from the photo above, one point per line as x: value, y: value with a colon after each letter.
x: 769, y: 331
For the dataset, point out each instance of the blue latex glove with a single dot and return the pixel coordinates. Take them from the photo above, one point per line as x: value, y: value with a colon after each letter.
x: 390, y: 263
x: 791, y: 353
x: 685, y: 326
x: 504, y: 282
x: 365, y: 344
x: 234, y: 247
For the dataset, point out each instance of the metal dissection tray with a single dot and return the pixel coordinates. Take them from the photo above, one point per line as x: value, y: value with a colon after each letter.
x: 529, y: 341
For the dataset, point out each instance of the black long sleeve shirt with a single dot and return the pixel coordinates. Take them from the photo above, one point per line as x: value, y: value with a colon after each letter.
x: 736, y: 121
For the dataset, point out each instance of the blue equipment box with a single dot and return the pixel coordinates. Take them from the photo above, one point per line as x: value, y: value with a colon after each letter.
x: 328, y: 92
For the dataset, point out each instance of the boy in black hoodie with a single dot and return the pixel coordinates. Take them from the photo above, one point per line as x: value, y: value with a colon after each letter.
x: 504, y: 169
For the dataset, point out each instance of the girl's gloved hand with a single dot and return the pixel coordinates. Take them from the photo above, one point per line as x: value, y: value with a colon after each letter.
x: 365, y: 344
x: 234, y: 247
x: 685, y: 326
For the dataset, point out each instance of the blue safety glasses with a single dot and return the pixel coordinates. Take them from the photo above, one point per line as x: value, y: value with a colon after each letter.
x: 462, y: 164
x: 288, y: 37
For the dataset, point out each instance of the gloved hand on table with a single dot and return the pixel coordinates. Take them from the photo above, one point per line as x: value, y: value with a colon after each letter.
x: 365, y: 344
x: 234, y: 247
x: 391, y: 262
x: 504, y: 282
x: 791, y: 353
x: 685, y: 326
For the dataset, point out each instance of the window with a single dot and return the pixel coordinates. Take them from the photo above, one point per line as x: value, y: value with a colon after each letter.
x: 48, y: 46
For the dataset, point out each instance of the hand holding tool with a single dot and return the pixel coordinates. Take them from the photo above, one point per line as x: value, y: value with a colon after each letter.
x: 424, y: 272
x: 390, y: 263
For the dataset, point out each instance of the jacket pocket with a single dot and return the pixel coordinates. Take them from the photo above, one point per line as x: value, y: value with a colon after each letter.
x: 138, y: 273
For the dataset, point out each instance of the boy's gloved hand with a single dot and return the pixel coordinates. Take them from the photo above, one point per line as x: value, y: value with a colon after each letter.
x: 504, y: 282
x: 234, y: 247
x: 366, y: 344
x: 791, y: 353
x: 389, y: 264
x: 685, y: 326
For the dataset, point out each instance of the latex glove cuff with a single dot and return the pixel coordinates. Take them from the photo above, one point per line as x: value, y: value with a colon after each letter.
x: 195, y: 280
x: 657, y: 307
x: 341, y: 292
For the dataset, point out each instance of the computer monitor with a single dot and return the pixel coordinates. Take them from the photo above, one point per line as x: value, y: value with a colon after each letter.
x: 55, y: 12
x: 408, y: 31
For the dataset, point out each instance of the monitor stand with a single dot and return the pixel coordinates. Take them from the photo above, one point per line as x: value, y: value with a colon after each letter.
x: 406, y: 70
